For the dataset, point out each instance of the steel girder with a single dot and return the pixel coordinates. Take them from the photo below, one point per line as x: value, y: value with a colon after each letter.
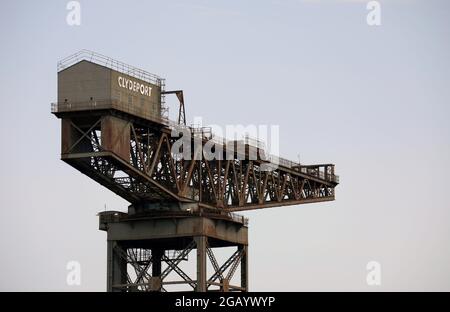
x: 153, y: 173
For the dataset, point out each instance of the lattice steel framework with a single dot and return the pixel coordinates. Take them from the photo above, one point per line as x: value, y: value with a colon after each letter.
x: 152, y: 173
x: 148, y: 269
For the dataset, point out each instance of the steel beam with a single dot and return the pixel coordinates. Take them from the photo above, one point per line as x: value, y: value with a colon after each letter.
x: 201, y: 263
x: 116, y: 266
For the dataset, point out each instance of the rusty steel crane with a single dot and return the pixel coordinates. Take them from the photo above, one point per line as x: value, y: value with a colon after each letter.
x: 114, y: 130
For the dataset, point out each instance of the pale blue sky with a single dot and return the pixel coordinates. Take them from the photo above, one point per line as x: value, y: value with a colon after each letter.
x: 373, y: 100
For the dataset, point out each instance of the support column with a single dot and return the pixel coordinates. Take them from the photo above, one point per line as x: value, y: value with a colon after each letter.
x: 116, y: 267
x: 201, y: 263
x: 244, y: 267
x: 156, y: 261
x: 155, y: 281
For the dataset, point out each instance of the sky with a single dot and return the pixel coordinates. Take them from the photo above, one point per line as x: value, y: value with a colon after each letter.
x: 374, y: 100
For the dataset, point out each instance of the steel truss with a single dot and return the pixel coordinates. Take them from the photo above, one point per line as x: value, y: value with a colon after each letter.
x: 152, y: 173
x: 139, y: 261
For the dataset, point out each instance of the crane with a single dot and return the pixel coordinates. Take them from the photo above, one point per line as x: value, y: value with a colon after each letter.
x: 118, y: 135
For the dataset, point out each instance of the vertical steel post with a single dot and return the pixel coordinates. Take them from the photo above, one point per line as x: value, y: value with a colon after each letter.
x: 244, y: 267
x: 116, y: 267
x: 155, y: 281
x: 156, y: 261
x: 201, y: 263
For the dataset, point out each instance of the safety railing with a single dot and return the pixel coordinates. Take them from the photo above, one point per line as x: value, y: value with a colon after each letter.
x: 109, y: 63
x: 107, y: 104
x: 254, y: 142
x: 111, y: 216
x: 238, y: 218
x: 118, y: 216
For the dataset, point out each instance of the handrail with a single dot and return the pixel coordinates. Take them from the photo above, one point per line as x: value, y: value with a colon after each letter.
x: 110, y: 63
x: 118, y: 216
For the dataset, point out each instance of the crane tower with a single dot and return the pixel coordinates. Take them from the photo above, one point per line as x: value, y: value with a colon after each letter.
x: 114, y: 129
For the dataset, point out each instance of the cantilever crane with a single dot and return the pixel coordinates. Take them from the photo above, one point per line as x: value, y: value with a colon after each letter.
x: 115, y: 133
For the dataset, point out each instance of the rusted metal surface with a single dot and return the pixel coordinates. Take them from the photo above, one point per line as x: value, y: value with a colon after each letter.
x: 115, y: 136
